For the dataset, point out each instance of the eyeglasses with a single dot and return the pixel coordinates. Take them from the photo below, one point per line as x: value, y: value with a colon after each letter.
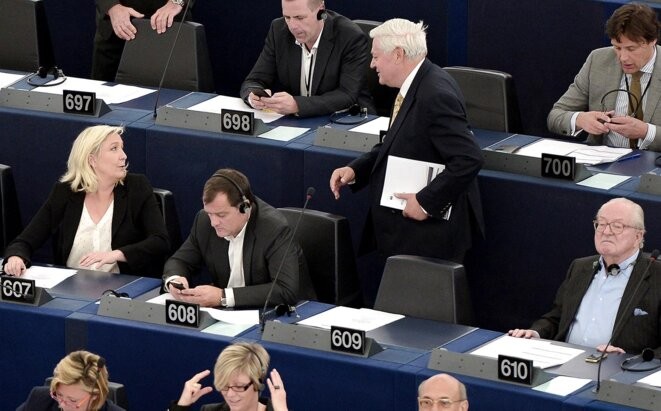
x: 616, y: 227
x: 69, y: 402
x: 427, y: 403
x: 236, y: 388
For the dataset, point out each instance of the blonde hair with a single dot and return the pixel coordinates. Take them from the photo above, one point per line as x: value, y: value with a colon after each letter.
x: 407, y: 35
x: 245, y: 358
x: 80, y: 175
x: 86, y: 368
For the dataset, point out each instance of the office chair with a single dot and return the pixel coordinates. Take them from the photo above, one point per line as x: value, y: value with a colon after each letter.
x: 10, y: 215
x: 490, y: 96
x: 116, y: 393
x: 383, y: 96
x: 427, y: 288
x: 145, y: 57
x: 326, y: 242
x: 165, y: 201
x: 25, y: 41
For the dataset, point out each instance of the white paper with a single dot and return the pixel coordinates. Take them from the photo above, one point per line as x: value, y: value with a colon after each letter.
x: 374, y: 126
x: 241, y: 317
x: 214, y: 105
x: 284, y: 133
x: 225, y: 329
x: 404, y: 175
x: 355, y: 318
x: 562, y: 385
x: 47, y: 277
x: 110, y: 94
x: 653, y: 379
x: 603, y: 181
x: 7, y: 79
x: 543, y: 353
x: 583, y: 154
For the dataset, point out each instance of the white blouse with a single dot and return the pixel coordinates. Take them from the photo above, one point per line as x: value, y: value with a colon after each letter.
x: 92, y: 237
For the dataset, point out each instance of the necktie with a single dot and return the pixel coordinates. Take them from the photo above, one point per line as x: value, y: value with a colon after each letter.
x: 635, y: 104
x: 395, y: 107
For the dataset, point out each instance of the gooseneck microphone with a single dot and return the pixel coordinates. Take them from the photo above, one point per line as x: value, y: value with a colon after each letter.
x: 167, y: 63
x: 627, y: 307
x: 262, y: 317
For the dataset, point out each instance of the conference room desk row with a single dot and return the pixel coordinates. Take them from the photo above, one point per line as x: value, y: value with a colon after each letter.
x: 153, y: 361
x: 534, y: 226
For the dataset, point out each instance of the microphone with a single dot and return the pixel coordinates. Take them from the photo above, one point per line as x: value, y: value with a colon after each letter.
x: 262, y: 317
x: 627, y: 307
x: 352, y: 110
x: 167, y: 63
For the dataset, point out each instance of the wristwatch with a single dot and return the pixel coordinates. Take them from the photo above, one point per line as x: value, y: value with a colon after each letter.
x: 223, y: 300
x: 178, y: 2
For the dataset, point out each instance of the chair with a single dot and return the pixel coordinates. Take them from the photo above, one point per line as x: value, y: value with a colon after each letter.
x: 427, y: 288
x: 10, y: 216
x: 383, y: 96
x: 490, y: 98
x: 25, y: 42
x: 144, y: 58
x: 116, y: 393
x: 165, y: 201
x: 326, y: 242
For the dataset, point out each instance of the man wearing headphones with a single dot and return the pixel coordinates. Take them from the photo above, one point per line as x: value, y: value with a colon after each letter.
x: 244, y: 244
x: 315, y: 57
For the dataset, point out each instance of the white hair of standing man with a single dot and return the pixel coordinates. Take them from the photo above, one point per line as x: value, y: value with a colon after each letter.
x: 407, y: 35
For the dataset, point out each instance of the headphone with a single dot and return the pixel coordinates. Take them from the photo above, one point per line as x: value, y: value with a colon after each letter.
x: 322, y: 14
x: 261, y: 366
x: 612, y: 269
x: 353, y: 110
x: 636, y: 363
x: 244, y: 205
x: 43, y: 72
x: 115, y: 294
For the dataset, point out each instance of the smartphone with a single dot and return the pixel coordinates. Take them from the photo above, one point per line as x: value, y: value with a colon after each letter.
x: 260, y: 92
x: 595, y: 357
x: 177, y: 285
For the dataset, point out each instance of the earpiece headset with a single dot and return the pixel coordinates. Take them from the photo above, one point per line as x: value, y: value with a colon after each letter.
x: 43, y: 72
x: 244, y: 206
x: 322, y: 14
x: 338, y: 117
x: 261, y: 367
x: 115, y: 294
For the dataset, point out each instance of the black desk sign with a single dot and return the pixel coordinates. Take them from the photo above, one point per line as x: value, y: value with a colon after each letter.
x: 235, y: 121
x: 561, y: 167
x: 515, y: 369
x: 347, y: 340
x: 181, y: 313
x: 18, y: 289
x: 78, y: 102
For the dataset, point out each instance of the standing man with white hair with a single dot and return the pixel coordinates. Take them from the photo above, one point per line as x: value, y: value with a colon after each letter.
x: 428, y: 123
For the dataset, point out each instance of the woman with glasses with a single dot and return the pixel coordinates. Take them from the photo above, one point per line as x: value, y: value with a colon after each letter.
x: 239, y: 376
x: 80, y: 382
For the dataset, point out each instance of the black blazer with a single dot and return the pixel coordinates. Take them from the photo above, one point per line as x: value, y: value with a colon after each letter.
x: 40, y: 400
x: 431, y: 126
x: 138, y: 229
x: 339, y: 79
x: 642, y: 323
x: 217, y: 407
x: 266, y: 238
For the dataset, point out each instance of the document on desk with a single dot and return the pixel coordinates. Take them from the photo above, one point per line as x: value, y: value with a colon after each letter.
x: 404, y: 175
x: 373, y: 127
x: 284, y: 133
x: 562, y: 385
x: 543, y: 353
x: 244, y: 317
x: 215, y: 104
x: 47, y: 277
x: 603, y: 181
x: 584, y: 154
x: 109, y: 93
x: 7, y: 79
x: 653, y: 379
x: 363, y: 319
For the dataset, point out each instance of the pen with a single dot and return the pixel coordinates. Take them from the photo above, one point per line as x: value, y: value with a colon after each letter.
x: 628, y: 158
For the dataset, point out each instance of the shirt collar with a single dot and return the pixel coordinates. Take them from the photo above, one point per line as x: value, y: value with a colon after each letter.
x: 406, y: 85
x: 316, y: 43
x: 240, y: 236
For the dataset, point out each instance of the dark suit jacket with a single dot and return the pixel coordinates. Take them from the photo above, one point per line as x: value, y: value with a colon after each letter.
x: 217, y: 407
x: 266, y: 238
x: 339, y: 78
x: 138, y: 229
x: 635, y: 332
x: 430, y: 126
x: 40, y: 400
